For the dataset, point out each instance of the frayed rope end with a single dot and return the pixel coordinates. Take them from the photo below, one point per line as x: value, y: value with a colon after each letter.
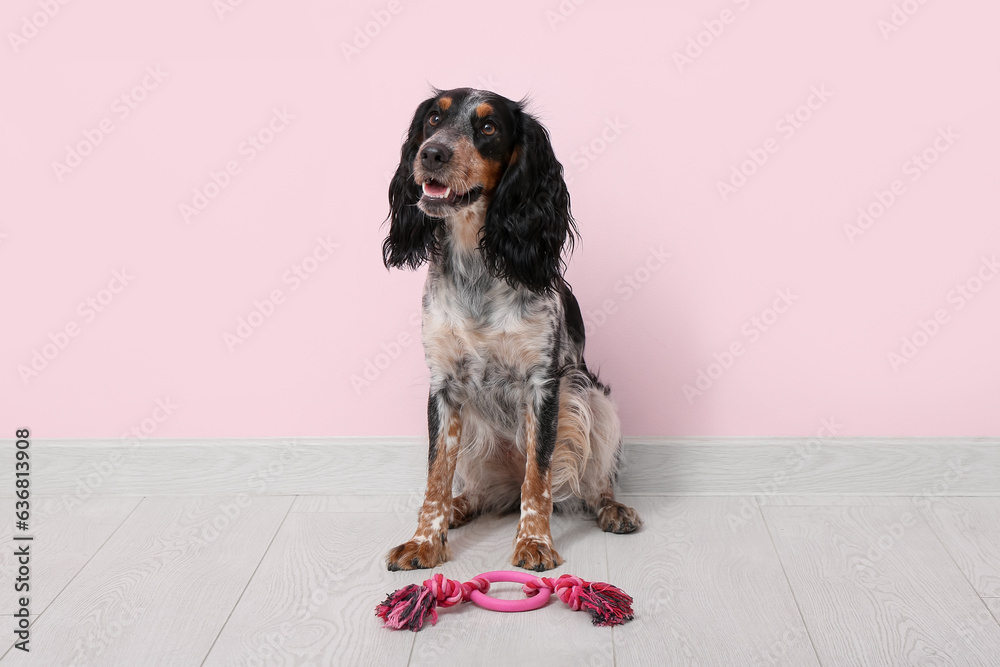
x: 607, y: 604
x: 409, y: 607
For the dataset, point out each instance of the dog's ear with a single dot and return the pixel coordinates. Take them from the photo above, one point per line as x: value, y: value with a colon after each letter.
x: 412, y: 235
x: 529, y: 221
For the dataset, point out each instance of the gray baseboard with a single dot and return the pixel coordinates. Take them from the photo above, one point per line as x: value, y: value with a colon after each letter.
x: 654, y: 466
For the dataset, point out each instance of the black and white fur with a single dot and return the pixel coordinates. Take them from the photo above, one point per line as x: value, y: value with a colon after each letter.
x: 503, y: 334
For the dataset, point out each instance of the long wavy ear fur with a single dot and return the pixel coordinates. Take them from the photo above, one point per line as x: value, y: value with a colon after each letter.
x: 412, y: 235
x: 529, y: 221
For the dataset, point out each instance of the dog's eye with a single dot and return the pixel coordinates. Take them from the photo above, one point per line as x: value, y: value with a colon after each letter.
x: 489, y: 129
x: 434, y: 120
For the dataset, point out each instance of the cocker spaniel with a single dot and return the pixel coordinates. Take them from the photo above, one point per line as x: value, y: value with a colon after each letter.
x: 514, y: 415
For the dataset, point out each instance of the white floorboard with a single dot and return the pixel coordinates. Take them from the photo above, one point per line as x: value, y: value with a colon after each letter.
x: 803, y: 580
x: 312, y: 601
x: 708, y: 587
x: 362, y: 504
x: 159, y: 590
x: 876, y: 587
x: 969, y: 528
x: 65, y: 538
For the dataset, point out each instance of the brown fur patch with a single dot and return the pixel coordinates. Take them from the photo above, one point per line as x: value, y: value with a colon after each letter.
x: 444, y: 103
x: 429, y: 545
x: 533, y: 548
x: 484, y: 109
x: 490, y: 175
x: 474, y: 168
x: 465, y: 227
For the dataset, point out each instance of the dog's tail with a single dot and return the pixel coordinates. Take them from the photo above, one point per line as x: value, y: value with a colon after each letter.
x: 588, y: 440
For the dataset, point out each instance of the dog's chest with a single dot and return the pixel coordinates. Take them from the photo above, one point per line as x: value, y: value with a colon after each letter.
x: 490, y: 343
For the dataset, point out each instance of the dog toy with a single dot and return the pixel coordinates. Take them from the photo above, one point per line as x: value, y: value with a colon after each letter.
x: 411, y: 605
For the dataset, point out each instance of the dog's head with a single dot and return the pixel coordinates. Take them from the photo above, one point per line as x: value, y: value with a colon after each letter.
x: 465, y: 146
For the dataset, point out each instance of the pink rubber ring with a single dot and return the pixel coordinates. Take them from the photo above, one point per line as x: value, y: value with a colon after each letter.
x: 494, y: 604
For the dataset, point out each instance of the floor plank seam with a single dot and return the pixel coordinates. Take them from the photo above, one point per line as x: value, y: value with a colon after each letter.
x: 413, y: 645
x: 990, y: 609
x: 788, y: 581
x: 607, y: 577
x: 249, y: 579
x: 930, y: 526
x: 947, y: 551
x: 79, y: 570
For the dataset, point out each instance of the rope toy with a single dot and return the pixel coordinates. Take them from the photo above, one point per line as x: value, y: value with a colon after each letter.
x: 411, y: 605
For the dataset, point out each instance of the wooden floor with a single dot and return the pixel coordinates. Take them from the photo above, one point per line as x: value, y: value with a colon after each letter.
x: 767, y: 580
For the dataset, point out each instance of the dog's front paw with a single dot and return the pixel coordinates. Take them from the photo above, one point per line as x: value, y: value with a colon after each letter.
x: 419, y: 554
x: 613, y: 517
x: 534, y: 554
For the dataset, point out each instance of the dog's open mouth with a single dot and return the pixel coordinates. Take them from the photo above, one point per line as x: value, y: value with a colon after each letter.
x: 436, y: 192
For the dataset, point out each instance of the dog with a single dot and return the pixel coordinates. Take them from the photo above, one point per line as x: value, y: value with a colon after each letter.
x: 515, y: 417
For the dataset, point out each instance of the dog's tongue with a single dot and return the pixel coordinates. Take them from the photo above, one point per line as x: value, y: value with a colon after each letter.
x: 435, y: 189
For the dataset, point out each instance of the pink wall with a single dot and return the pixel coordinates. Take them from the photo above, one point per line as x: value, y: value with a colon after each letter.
x: 844, y: 104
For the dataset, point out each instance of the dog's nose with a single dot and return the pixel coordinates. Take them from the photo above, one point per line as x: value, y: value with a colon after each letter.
x: 434, y: 156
